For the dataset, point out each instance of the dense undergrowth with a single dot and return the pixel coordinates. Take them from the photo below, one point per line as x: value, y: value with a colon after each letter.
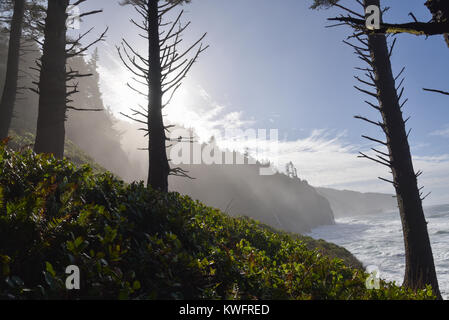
x: 20, y: 140
x: 131, y: 242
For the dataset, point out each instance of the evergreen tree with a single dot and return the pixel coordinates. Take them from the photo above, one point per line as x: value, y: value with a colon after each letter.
x: 420, y: 267
x: 3, y: 57
x: 161, y: 72
x: 50, y: 134
x: 439, y: 25
x: 93, y: 132
x: 16, y: 19
x: 54, y: 93
x: 12, y: 69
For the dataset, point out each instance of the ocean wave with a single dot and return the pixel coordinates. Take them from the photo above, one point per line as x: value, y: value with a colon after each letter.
x: 377, y: 240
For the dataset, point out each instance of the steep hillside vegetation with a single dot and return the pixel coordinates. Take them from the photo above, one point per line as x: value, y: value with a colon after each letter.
x: 22, y: 141
x: 132, y: 242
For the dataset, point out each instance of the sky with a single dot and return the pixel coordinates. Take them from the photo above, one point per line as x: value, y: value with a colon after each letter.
x: 275, y: 65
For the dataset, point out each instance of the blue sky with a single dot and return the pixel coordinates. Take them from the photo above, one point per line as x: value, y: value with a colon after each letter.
x: 273, y: 64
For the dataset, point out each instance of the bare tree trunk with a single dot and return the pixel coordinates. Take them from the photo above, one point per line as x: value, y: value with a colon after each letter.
x: 162, y: 72
x: 50, y: 134
x: 159, y: 168
x: 12, y: 71
x: 420, y: 268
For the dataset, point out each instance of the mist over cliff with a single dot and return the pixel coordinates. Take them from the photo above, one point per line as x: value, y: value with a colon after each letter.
x: 277, y: 200
x: 351, y: 203
x: 282, y: 202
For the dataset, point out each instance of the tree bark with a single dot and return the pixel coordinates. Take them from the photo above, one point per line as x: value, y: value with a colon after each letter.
x: 12, y: 69
x: 440, y: 13
x: 50, y: 134
x: 159, y: 168
x: 420, y: 268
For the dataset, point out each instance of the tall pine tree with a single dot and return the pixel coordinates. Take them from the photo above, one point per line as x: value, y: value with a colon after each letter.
x: 374, y: 50
x: 54, y: 92
x: 50, y: 134
x: 12, y: 69
x: 161, y: 71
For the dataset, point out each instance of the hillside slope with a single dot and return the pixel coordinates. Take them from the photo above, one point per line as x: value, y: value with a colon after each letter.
x: 279, y: 201
x: 131, y: 242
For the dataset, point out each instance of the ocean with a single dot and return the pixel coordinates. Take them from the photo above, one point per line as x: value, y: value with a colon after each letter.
x: 376, y: 240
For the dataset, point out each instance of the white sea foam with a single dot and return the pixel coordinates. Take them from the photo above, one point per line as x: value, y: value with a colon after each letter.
x: 377, y: 240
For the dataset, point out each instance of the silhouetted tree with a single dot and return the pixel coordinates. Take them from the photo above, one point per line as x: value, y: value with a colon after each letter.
x: 161, y: 72
x: 25, y: 107
x: 54, y: 92
x: 4, y: 57
x: 6, y: 7
x: 12, y: 70
x: 17, y: 18
x: 94, y: 132
x: 33, y: 11
x: 440, y: 14
x: 373, y: 49
x: 290, y: 170
x: 439, y: 25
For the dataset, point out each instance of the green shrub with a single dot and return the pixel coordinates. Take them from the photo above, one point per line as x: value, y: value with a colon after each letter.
x: 131, y: 242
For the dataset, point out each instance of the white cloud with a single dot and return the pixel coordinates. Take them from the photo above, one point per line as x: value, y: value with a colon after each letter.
x: 441, y: 133
x: 325, y: 159
x: 191, y: 107
x: 194, y: 108
x: 114, y: 77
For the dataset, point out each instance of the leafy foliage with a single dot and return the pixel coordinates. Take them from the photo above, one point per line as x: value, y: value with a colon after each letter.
x: 131, y: 242
x: 20, y: 140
